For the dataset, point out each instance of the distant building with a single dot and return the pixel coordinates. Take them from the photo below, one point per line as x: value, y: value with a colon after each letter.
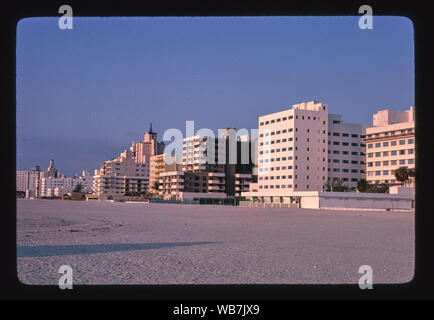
x: 56, y: 187
x: 346, y: 151
x: 210, y: 166
x: 161, y: 163
x: 389, y: 145
x: 130, y: 172
x: 26, y: 181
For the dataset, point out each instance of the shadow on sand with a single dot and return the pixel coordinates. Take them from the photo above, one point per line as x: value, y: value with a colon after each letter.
x: 47, y: 251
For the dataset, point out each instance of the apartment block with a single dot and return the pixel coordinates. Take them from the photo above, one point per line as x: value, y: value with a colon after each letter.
x: 121, y: 175
x: 158, y: 164
x: 389, y: 145
x: 346, y: 151
x: 51, y: 186
x: 292, y: 148
x: 27, y: 180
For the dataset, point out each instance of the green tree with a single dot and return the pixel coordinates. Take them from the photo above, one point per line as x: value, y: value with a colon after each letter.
x: 156, y: 186
x: 402, y: 174
x: 362, y: 185
x: 78, y: 187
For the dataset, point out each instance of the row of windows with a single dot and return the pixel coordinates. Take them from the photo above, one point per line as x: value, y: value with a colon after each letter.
x: 381, y: 173
x: 392, y: 162
x: 353, y: 153
x: 392, y: 153
x: 276, y: 177
x: 353, y: 144
x: 392, y: 143
x: 346, y: 170
x: 283, y: 168
x: 288, y: 118
x: 272, y: 133
x: 277, y: 159
x: 346, y: 161
x: 389, y: 133
x: 338, y: 134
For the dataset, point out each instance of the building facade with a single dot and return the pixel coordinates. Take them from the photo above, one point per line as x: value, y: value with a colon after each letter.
x: 389, y: 145
x: 346, y: 151
x: 292, y: 148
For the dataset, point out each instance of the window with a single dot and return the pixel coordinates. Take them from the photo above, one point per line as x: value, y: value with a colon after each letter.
x: 401, y: 161
x: 378, y: 173
x: 410, y: 161
x: 354, y: 144
x: 385, y: 163
x: 377, y: 145
x: 393, y: 153
x: 410, y: 151
x: 370, y: 145
x: 393, y: 162
x: 401, y: 142
x: 386, y: 172
x: 336, y: 134
x: 377, y: 154
x: 393, y: 143
x: 345, y: 135
x: 410, y: 141
x: 378, y: 163
x: 385, y: 153
x: 401, y: 152
x: 261, y: 124
x: 354, y: 136
x: 385, y: 144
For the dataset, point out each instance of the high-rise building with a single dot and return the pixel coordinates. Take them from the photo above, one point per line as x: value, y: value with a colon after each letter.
x: 161, y: 163
x: 346, y: 151
x: 292, y: 148
x: 130, y: 172
x: 26, y: 181
x: 389, y: 145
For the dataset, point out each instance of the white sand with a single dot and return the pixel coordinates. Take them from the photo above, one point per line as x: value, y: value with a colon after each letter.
x: 123, y: 243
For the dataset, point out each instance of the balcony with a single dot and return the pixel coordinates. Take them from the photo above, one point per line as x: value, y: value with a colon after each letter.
x: 216, y: 182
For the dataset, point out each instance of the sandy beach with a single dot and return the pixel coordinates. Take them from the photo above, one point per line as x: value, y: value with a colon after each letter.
x: 138, y: 243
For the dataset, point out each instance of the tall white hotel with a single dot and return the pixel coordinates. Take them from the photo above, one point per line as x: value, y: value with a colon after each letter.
x: 303, y: 148
x: 293, y: 148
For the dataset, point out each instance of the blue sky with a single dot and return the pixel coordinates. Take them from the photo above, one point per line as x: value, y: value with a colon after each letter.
x: 84, y: 94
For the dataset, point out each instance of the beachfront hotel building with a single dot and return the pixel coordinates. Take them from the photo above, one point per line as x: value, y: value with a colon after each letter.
x: 158, y: 164
x: 211, y: 167
x: 292, y: 149
x: 346, y: 151
x: 27, y: 180
x: 121, y: 175
x: 130, y: 172
x: 389, y: 145
x: 56, y: 187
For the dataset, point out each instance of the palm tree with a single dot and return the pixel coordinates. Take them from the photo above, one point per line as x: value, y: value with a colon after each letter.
x: 78, y: 187
x: 362, y: 185
x: 402, y: 174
